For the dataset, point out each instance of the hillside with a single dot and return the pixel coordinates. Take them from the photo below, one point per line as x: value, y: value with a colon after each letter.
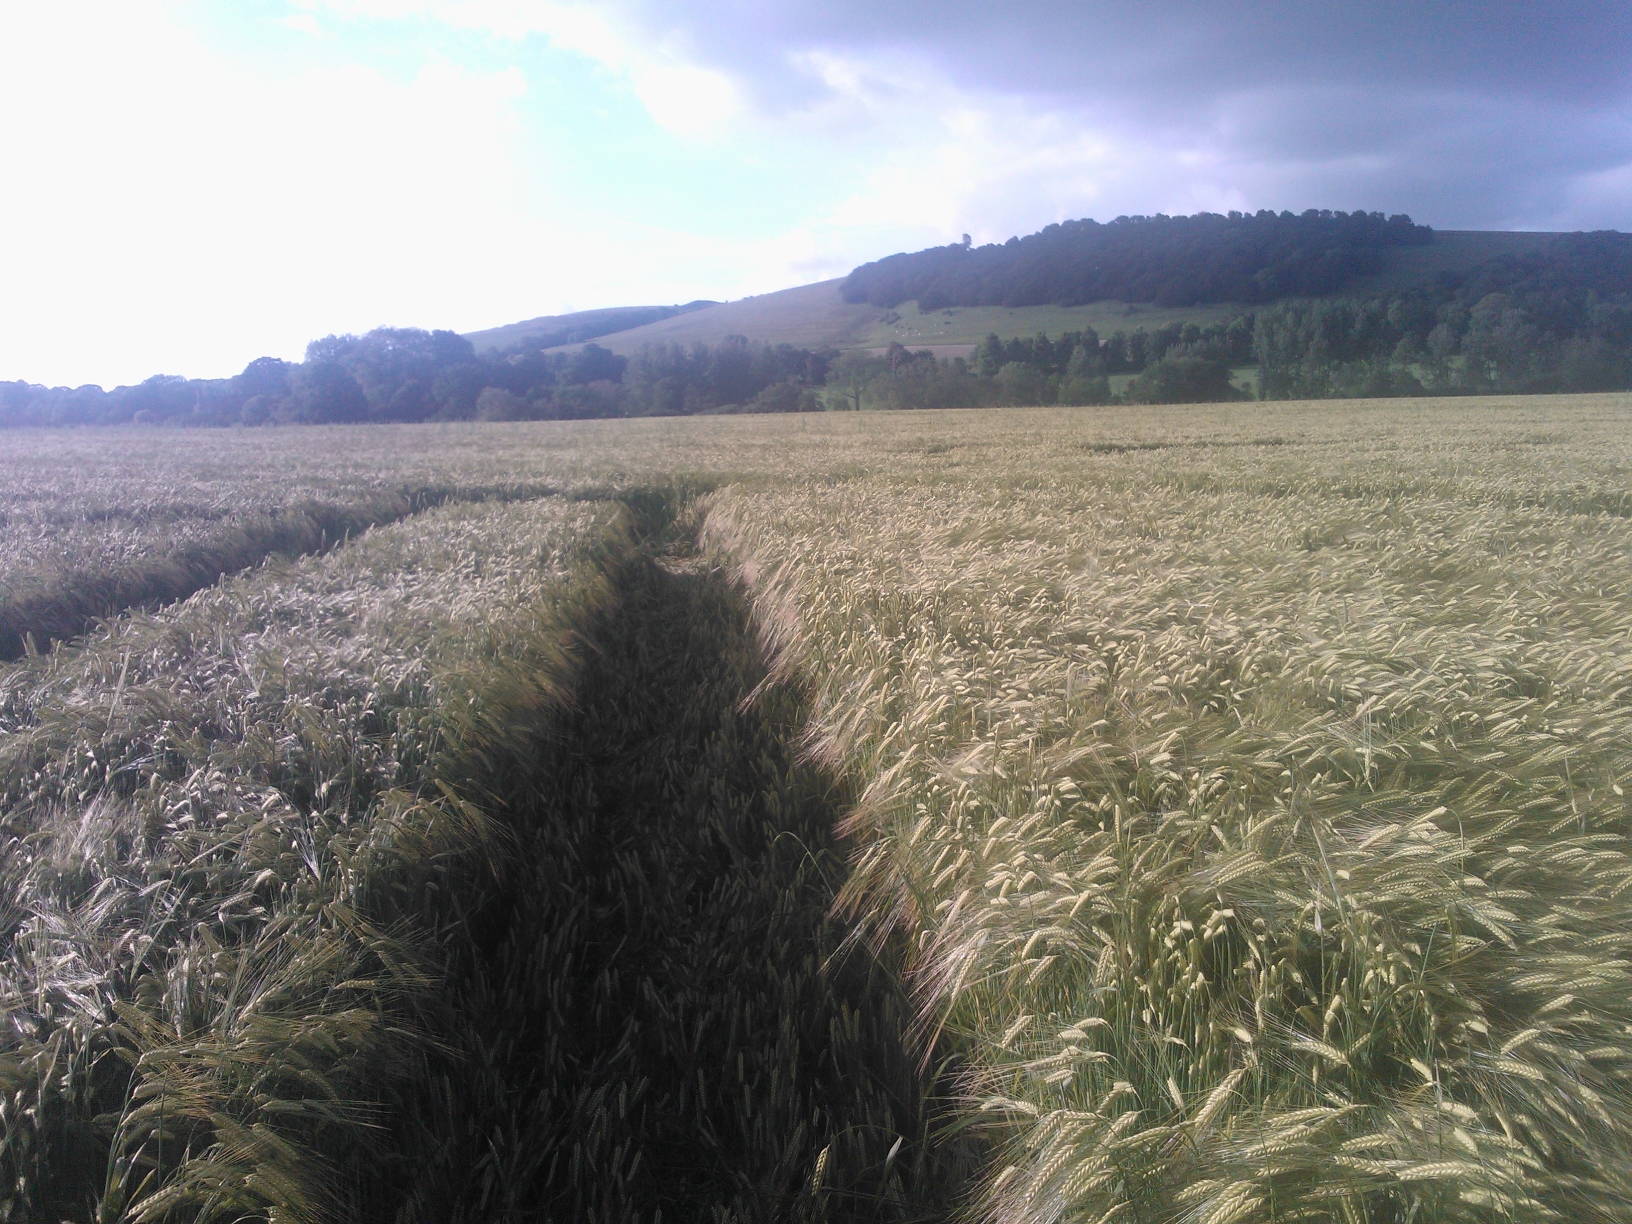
x: 817, y: 315
x: 548, y: 331
x: 810, y: 315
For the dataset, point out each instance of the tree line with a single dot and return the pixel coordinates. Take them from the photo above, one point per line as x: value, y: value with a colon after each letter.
x: 1172, y: 261
x: 1176, y: 363
x: 411, y: 375
x: 407, y: 375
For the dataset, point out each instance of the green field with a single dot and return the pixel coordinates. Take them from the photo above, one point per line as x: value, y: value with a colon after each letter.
x: 1199, y: 814
x: 816, y: 315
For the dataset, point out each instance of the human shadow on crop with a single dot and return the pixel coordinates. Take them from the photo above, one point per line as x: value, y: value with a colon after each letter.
x: 666, y: 1022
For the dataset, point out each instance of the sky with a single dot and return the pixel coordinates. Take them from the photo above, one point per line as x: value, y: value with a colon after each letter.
x: 186, y: 185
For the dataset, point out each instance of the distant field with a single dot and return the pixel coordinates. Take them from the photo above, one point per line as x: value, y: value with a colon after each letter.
x: 815, y: 315
x: 1205, y: 813
x: 972, y: 324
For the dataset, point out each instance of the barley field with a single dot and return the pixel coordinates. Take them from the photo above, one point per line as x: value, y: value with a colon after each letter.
x: 1201, y: 814
x: 94, y: 523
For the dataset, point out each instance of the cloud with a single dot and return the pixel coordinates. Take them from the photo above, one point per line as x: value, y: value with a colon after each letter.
x: 681, y: 94
x: 1469, y: 112
x: 1179, y: 50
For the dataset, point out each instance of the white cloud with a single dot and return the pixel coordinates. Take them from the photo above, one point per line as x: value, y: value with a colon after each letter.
x: 684, y: 97
x: 939, y: 160
x: 688, y: 100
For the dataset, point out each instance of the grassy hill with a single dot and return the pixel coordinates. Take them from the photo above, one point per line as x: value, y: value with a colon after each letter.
x: 812, y: 315
x: 817, y: 315
x: 576, y: 328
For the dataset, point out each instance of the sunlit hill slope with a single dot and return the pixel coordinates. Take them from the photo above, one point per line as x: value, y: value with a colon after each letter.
x: 817, y: 315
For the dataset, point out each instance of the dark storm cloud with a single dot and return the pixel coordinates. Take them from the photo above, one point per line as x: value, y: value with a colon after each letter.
x: 1476, y: 114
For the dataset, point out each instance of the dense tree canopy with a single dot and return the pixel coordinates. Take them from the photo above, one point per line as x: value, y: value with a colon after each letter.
x: 1174, y: 261
x: 1555, y: 320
